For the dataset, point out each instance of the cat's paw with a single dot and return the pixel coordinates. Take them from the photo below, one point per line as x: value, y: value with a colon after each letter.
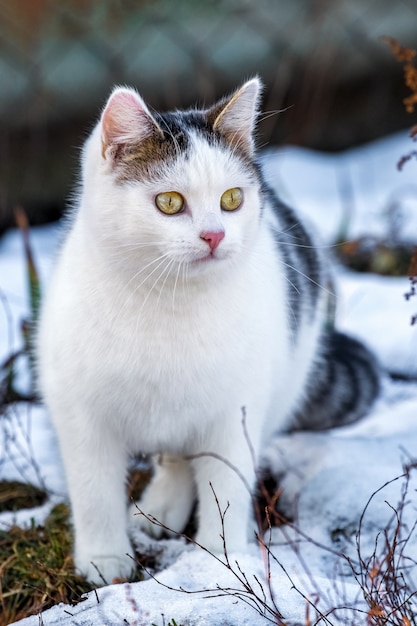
x: 213, y: 541
x: 104, y: 569
x: 222, y: 537
x: 167, y: 502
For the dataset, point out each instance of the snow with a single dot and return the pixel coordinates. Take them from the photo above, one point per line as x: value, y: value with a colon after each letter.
x: 328, y: 478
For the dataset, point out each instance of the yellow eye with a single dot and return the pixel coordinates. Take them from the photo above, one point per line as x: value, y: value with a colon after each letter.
x: 231, y: 199
x: 169, y: 202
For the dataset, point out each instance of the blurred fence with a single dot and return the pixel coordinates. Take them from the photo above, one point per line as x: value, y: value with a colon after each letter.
x: 323, y: 59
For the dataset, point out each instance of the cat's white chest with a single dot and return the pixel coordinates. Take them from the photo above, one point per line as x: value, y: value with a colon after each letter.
x: 164, y: 370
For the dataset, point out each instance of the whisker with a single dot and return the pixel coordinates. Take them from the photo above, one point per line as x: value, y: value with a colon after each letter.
x: 185, y: 283
x: 314, y: 282
x: 134, y: 245
x: 165, y: 269
x: 160, y: 260
x: 168, y: 267
x: 267, y: 114
x: 175, y: 287
x: 144, y: 268
x: 312, y: 247
x: 287, y: 230
x: 292, y: 284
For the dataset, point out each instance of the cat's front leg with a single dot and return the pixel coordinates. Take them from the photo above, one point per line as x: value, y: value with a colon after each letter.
x: 168, y: 499
x: 225, y: 479
x: 96, y: 465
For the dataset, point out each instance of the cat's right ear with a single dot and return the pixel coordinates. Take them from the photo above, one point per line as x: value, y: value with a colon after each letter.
x: 235, y: 117
x: 125, y: 121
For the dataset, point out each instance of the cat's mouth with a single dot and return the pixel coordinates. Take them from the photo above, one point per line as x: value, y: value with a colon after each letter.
x: 209, y: 257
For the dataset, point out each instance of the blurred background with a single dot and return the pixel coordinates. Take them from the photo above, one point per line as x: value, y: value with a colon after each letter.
x: 323, y: 62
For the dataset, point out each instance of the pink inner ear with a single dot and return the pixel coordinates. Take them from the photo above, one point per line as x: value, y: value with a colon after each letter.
x: 122, y: 111
x: 125, y: 120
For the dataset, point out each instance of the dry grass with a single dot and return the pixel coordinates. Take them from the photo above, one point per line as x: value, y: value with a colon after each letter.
x: 15, y: 495
x: 36, y: 567
x: 387, y: 577
x: 36, y: 570
x: 406, y: 56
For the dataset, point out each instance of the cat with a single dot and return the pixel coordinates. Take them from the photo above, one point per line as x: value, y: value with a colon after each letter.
x: 186, y: 319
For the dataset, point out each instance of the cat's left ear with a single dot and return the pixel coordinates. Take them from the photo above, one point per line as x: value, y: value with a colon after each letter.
x: 126, y: 120
x: 235, y: 117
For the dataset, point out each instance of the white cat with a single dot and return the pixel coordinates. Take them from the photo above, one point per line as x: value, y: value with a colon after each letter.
x: 184, y: 292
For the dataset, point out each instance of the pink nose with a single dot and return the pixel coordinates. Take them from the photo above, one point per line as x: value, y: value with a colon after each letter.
x: 213, y: 238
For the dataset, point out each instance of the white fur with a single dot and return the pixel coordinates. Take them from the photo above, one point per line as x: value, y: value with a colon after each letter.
x: 159, y: 356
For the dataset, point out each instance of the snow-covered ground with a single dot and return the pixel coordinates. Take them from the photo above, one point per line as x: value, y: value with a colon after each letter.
x: 329, y: 476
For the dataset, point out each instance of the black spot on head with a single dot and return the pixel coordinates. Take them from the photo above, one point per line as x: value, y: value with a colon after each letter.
x: 143, y: 160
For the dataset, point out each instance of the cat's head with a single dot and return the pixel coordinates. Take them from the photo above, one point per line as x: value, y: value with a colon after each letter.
x: 174, y: 189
